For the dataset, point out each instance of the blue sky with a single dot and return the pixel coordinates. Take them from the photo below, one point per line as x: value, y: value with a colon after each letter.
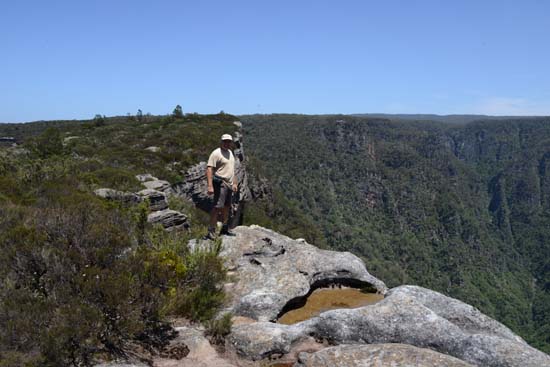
x: 74, y: 59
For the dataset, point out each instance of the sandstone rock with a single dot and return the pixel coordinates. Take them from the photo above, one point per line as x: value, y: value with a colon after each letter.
x: 146, y: 177
x: 194, y: 187
x: 377, y: 355
x: 110, y: 194
x: 69, y: 138
x: 399, y: 318
x: 157, y: 199
x: 468, y: 318
x: 159, y: 185
x: 169, y: 219
x: 273, y: 270
x: 121, y: 364
x: 262, y: 340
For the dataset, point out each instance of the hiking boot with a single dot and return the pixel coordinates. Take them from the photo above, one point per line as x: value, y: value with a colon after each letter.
x: 226, y: 232
x: 210, y: 236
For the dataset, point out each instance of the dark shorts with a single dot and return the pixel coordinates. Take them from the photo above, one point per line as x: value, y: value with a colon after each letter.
x: 222, y: 194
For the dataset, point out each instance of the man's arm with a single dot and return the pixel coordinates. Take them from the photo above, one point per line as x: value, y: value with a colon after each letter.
x: 209, y: 174
x: 235, y: 183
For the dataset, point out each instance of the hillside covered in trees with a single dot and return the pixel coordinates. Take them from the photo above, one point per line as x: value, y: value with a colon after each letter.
x: 460, y: 208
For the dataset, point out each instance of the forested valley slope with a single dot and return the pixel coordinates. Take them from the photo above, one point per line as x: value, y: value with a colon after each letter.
x: 460, y: 208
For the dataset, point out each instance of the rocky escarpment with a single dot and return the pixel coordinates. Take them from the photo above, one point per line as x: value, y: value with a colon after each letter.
x: 271, y: 271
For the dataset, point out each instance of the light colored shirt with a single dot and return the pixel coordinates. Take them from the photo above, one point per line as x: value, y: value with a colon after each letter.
x: 223, y: 163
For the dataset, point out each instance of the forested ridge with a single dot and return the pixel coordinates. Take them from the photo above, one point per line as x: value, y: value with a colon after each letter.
x: 460, y: 208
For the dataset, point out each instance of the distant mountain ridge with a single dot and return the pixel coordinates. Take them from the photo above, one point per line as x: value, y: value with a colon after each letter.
x: 452, y: 119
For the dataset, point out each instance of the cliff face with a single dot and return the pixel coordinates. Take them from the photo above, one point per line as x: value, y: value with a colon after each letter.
x: 462, y: 209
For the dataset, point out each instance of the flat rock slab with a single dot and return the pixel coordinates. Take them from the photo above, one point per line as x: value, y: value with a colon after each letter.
x: 159, y: 185
x: 272, y: 270
x: 122, y: 196
x: 378, y: 355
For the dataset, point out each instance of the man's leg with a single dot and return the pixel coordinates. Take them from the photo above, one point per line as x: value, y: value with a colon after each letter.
x: 226, y: 208
x: 213, y: 219
x: 225, y: 215
x: 219, y: 199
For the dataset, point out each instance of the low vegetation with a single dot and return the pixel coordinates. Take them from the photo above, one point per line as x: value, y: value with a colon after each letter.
x: 82, y: 278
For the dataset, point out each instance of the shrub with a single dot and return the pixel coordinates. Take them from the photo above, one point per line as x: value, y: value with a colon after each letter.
x: 71, y: 286
x: 218, y: 329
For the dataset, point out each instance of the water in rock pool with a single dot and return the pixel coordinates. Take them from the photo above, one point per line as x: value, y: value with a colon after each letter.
x: 325, y: 299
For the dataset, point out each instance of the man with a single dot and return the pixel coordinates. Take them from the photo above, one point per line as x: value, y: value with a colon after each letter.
x: 222, y: 182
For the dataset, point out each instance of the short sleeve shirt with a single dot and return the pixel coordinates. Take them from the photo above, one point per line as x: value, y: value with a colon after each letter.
x: 223, y: 163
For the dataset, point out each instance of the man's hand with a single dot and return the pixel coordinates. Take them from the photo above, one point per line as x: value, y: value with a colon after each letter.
x: 235, y: 188
x: 210, y: 190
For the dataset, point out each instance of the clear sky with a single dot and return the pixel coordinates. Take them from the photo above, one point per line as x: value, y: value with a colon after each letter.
x: 67, y: 59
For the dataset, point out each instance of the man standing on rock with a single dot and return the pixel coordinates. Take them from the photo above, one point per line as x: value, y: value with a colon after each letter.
x: 222, y: 182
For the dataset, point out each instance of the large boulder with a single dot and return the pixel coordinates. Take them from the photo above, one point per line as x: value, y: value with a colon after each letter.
x: 408, y: 315
x: 377, y: 355
x: 274, y: 271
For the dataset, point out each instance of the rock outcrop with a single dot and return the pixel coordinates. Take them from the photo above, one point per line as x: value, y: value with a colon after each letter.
x: 156, y: 193
x: 275, y: 271
x: 157, y: 199
x: 272, y: 272
x: 122, y: 196
x: 377, y: 355
x: 399, y: 318
x: 159, y: 185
